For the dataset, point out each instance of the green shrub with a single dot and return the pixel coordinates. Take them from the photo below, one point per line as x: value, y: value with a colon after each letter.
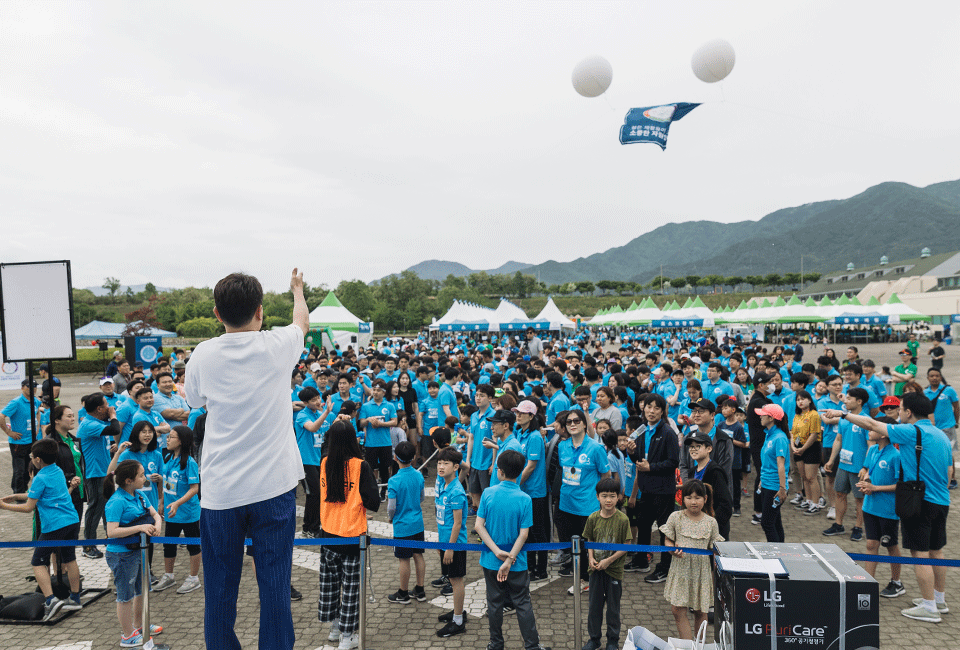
x: 202, y: 327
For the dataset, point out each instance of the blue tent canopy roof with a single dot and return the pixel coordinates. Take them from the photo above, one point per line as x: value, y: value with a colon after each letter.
x: 100, y: 330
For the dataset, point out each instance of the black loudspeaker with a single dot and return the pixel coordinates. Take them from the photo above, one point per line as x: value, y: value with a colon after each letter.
x: 130, y: 350
x: 103, y: 346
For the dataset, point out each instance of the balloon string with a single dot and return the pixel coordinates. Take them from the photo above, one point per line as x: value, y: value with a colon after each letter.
x: 820, y: 122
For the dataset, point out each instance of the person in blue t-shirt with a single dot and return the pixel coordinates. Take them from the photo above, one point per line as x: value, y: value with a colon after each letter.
x: 127, y: 410
x: 846, y: 459
x: 583, y: 462
x: 533, y: 481
x: 878, y: 480
x: 128, y: 514
x: 94, y: 434
x: 946, y: 410
x: 501, y: 426
x: 925, y: 534
x: 146, y: 413
x: 451, y: 507
x: 478, y: 457
x: 377, y: 417
x: 774, y: 470
x: 503, y: 521
x: 405, y: 494
x: 50, y: 495
x: 181, y: 487
x: 18, y: 432
x: 310, y: 426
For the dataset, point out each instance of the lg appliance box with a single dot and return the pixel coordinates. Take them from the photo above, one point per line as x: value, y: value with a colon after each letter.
x: 825, y: 601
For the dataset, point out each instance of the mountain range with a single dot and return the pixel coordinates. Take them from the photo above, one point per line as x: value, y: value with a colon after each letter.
x: 893, y: 219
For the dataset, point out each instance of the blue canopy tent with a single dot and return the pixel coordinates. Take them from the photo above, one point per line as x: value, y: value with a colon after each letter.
x: 100, y: 330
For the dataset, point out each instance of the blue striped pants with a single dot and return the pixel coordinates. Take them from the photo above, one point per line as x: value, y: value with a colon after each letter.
x: 271, y: 525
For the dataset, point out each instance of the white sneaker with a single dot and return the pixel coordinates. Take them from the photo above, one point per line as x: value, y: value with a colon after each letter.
x: 165, y: 583
x: 832, y: 513
x: 349, y: 641
x: 334, y: 632
x: 941, y: 607
x: 822, y: 503
x: 797, y: 499
x: 190, y: 584
x: 921, y: 613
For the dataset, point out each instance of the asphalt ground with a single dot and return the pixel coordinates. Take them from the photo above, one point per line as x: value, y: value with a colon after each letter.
x: 413, y: 625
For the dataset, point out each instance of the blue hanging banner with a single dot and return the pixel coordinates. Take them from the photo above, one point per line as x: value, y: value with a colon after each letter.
x: 652, y: 123
x: 147, y: 350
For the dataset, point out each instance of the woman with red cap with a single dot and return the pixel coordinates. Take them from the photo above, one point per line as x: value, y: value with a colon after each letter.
x: 774, y: 469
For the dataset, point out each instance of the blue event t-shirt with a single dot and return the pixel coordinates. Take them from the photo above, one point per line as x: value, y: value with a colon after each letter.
x: 378, y: 436
x: 308, y: 443
x: 430, y: 408
x: 480, y: 456
x: 49, y: 488
x: 853, y: 446
x: 406, y: 486
x: 152, y: 462
x: 558, y: 403
x: 775, y: 446
x: 873, y: 402
x: 582, y: 467
x: 123, y: 509
x: 125, y: 414
x: 448, y: 398
x: 18, y: 410
x: 829, y: 430
x: 176, y: 483
x: 505, y: 510
x: 163, y: 402
x: 94, y: 447
x: 533, y: 448
x: 884, y: 469
x: 935, y: 459
x: 194, y: 415
x: 943, y: 408
x: 154, y: 418
x: 511, y: 442
x: 450, y: 497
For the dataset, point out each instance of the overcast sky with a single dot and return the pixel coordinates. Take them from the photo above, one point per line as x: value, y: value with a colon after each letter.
x: 175, y: 142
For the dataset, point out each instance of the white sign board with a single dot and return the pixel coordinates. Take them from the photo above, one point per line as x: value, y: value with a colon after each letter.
x: 37, y: 310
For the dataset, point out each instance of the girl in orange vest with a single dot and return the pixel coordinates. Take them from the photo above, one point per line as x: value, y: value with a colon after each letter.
x: 348, y: 489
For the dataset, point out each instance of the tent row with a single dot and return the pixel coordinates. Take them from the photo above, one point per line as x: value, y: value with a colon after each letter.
x: 694, y: 313
x: 507, y: 317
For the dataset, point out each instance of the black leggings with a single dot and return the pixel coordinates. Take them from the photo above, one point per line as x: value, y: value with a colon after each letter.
x: 570, y: 525
x: 770, y: 518
x: 380, y: 458
x: 189, y: 529
x: 539, y: 533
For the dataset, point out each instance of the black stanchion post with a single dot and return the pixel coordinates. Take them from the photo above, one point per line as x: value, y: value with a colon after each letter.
x: 364, y: 541
x: 148, y: 643
x: 577, y: 613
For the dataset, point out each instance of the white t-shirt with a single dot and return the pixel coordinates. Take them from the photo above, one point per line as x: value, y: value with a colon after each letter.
x: 249, y: 449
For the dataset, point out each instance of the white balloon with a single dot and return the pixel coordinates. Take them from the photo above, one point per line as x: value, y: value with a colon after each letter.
x: 713, y: 61
x: 592, y: 76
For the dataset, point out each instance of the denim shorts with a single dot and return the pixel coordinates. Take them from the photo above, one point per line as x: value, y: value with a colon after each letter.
x: 127, y: 576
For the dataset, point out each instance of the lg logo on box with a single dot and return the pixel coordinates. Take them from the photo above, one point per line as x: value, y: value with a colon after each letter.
x: 753, y: 596
x: 863, y: 601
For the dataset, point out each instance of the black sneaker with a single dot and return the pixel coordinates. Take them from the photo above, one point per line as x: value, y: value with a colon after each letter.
x: 835, y: 529
x: 447, y: 590
x: 92, y: 553
x: 294, y: 594
x: 591, y: 645
x: 637, y: 566
x: 508, y: 608
x: 401, y: 597
x: 535, y: 576
x: 856, y: 535
x: 755, y: 520
x: 446, y: 618
x: 736, y: 512
x: 452, y: 629
x: 656, y: 577
x: 566, y: 571
x: 383, y: 493
x: 440, y: 582
x: 420, y: 594
x: 893, y: 589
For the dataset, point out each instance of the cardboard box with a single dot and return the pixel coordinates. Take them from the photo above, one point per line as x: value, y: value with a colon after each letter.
x: 826, y: 597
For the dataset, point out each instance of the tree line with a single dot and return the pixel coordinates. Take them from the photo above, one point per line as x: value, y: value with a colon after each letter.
x: 401, y: 302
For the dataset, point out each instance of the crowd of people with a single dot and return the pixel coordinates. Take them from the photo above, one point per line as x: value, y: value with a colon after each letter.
x: 530, y: 440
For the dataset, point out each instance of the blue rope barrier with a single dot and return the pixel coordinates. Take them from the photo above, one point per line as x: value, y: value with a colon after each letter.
x: 443, y: 546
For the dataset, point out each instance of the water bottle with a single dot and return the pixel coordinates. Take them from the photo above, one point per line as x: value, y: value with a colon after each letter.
x: 776, y: 501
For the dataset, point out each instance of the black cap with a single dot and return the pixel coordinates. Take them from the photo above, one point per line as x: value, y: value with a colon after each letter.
x: 698, y: 438
x: 27, y: 382
x: 503, y: 416
x: 703, y: 403
x: 44, y: 367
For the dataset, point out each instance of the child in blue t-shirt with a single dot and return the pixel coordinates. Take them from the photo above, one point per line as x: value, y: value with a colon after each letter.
x: 181, y: 486
x: 878, y: 480
x: 49, y: 494
x: 732, y: 426
x: 451, y: 507
x: 405, y: 494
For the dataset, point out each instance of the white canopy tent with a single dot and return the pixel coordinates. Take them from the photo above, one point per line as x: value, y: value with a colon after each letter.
x: 552, y: 314
x: 342, y: 327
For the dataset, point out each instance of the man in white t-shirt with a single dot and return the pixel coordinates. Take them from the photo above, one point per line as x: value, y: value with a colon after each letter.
x: 251, y: 464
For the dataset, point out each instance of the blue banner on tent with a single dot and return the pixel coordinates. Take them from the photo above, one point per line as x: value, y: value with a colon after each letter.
x: 511, y: 327
x: 859, y: 320
x: 652, y: 123
x: 955, y: 318
x: 365, y: 328
x: 147, y: 349
x: 464, y: 327
x: 689, y: 322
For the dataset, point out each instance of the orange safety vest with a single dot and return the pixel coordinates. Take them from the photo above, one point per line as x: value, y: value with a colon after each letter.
x: 347, y: 519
